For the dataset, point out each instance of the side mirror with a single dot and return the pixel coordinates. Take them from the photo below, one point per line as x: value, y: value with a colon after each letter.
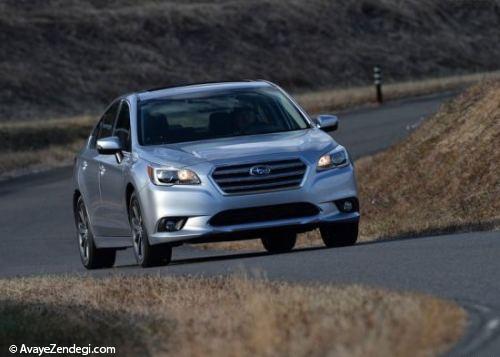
x: 327, y: 122
x: 109, y: 146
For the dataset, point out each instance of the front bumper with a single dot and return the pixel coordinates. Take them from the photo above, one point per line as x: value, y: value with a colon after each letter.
x: 200, y: 203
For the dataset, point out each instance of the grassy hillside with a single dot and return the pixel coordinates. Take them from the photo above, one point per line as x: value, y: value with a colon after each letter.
x: 223, y: 316
x: 66, y: 57
x: 444, y: 177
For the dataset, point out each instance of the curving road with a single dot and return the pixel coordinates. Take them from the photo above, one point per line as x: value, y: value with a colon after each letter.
x: 37, y: 237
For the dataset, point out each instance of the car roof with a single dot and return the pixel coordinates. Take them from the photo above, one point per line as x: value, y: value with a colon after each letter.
x: 200, y: 88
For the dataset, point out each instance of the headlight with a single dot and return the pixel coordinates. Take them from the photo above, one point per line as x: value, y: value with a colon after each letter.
x: 172, y: 176
x: 338, y: 157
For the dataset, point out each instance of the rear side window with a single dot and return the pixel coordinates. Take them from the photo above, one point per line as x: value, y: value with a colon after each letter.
x: 122, y: 129
x: 107, y: 121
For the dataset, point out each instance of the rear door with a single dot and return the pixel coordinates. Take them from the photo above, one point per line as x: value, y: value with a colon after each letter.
x: 112, y: 211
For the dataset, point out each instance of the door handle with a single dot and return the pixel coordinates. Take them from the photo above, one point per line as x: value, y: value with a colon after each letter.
x: 84, y: 164
x: 102, y: 169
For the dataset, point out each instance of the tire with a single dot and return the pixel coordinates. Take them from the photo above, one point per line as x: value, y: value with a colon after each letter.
x: 90, y: 255
x: 279, y: 242
x: 339, y: 234
x: 147, y: 255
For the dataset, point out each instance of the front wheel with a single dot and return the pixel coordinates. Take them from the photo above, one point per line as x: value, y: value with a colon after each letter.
x: 339, y: 234
x: 90, y: 255
x: 279, y: 242
x: 147, y: 255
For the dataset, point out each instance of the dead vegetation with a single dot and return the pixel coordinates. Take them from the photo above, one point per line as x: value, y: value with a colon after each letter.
x: 32, y: 145
x: 234, y: 316
x: 68, y: 57
x: 445, y: 177
x: 335, y: 99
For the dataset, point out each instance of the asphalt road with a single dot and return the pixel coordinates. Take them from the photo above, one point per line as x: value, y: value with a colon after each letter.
x: 37, y: 236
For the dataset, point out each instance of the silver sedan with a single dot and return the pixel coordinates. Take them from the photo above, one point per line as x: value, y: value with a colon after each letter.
x: 207, y: 163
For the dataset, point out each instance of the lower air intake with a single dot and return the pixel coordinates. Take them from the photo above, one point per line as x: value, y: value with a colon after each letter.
x: 264, y: 214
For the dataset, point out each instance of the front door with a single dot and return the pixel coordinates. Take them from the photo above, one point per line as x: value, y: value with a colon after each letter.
x: 112, y: 212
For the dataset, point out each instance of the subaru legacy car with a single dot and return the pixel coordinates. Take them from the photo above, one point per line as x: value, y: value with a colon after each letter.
x: 208, y: 163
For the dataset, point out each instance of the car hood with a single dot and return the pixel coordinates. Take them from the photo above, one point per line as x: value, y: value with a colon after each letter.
x: 305, y: 143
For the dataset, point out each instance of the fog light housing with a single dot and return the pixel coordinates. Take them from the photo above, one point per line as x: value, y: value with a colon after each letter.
x: 171, y: 224
x: 347, y: 205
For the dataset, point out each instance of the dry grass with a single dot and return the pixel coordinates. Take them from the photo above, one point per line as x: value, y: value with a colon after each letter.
x: 445, y: 177
x: 235, y: 316
x: 66, y: 57
x: 41, y: 145
x: 335, y: 99
x: 34, y: 135
x: 305, y: 240
x: 16, y: 163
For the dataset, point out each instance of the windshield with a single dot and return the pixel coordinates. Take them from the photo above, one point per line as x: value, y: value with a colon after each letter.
x: 202, y: 116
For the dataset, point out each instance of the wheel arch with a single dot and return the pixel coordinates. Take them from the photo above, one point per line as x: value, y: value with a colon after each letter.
x: 128, y: 193
x: 76, y: 195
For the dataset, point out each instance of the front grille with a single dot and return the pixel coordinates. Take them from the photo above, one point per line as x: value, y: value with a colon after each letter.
x: 264, y: 213
x: 283, y: 174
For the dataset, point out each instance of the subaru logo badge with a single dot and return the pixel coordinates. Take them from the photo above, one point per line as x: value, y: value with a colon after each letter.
x: 260, y: 170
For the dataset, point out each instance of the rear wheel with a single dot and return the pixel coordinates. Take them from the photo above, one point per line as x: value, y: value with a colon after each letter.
x: 91, y: 256
x: 279, y: 242
x: 147, y: 255
x: 339, y: 234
